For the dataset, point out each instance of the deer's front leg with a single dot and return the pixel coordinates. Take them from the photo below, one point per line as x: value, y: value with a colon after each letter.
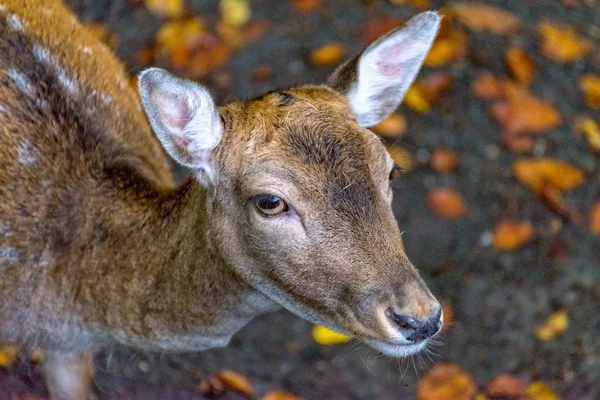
x: 68, y: 375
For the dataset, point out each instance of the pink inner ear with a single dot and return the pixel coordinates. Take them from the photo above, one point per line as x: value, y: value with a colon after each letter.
x: 392, y: 59
x: 177, y: 114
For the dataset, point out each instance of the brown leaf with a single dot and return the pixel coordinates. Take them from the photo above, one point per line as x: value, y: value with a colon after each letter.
x: 401, y: 157
x: 511, y: 234
x: 448, y: 313
x: 554, y: 326
x: 327, y: 55
x: 392, y: 127
x: 237, y: 382
x: 482, y: 17
x: 418, y: 4
x: 595, y: 218
x: 517, y: 144
x: 488, y: 86
x: 375, y: 28
x: 436, y: 84
x: 590, y: 84
x: 535, y: 173
x: 540, y: 391
x: 256, y: 30
x: 588, y: 127
x: 274, y: 395
x: 262, y: 73
x: 553, y: 199
x: 520, y: 64
x: 523, y: 113
x: 444, y: 160
x: 561, y: 43
x: 305, y: 6
x: 506, y: 387
x: 446, y: 381
x: 446, y: 203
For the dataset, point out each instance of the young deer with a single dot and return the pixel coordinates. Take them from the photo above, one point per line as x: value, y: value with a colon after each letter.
x: 288, y: 205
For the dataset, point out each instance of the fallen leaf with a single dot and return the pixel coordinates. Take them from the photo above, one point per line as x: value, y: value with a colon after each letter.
x: 517, y: 144
x: 482, y: 17
x: 208, y: 57
x: 448, y: 313
x: 446, y: 203
x: 506, y: 387
x: 262, y: 73
x: 511, y: 234
x: 444, y: 160
x: 235, y: 12
x: 165, y: 8
x: 446, y: 381
x: 446, y: 48
x: 561, y: 43
x: 553, y: 327
x: 231, y: 34
x: 553, y: 199
x: 523, y: 113
x: 8, y: 354
x: 520, y: 64
x: 415, y: 98
x: 328, y: 337
x: 590, y: 84
x: 540, y: 391
x: 179, y: 34
x: 327, y: 55
x: 418, y: 4
x: 402, y: 157
x: 488, y: 86
x: 588, y: 127
x: 256, y: 30
x: 535, y: 173
x: 392, y: 127
x: 595, y: 218
x: 274, y: 395
x: 305, y: 6
x: 237, y: 382
x: 375, y: 28
x: 436, y: 84
x: 145, y: 56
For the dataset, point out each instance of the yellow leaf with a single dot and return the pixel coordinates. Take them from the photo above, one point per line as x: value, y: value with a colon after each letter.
x: 8, y: 355
x: 235, y: 12
x: 561, y: 43
x: 590, y: 84
x: 540, y: 391
x: 554, y: 326
x: 165, y: 8
x: 328, y: 337
x: 415, y: 99
x: 327, y: 55
x: 176, y: 33
x: 589, y: 128
x: 393, y: 126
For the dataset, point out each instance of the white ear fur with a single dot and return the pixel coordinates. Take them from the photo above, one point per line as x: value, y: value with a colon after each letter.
x: 376, y: 80
x: 183, y: 116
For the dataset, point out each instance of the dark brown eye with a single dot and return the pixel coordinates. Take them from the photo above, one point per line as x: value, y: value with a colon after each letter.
x: 269, y: 204
x: 395, y: 173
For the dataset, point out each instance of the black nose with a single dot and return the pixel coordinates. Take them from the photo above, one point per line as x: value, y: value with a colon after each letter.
x: 413, y: 329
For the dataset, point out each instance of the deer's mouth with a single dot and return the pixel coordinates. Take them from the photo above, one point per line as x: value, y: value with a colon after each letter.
x: 396, y: 349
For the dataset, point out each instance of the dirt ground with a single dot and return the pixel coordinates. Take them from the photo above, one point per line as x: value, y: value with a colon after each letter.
x: 498, y: 298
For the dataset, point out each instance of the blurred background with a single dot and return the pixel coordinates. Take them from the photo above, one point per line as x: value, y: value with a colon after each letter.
x: 500, y: 201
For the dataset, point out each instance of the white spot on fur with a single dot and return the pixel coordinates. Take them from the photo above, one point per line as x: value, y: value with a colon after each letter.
x: 41, y: 103
x: 106, y: 99
x: 2, y: 7
x: 45, y: 258
x: 84, y: 49
x: 5, y: 229
x: 43, y: 56
x: 21, y: 80
x: 8, y: 255
x: 2, y: 109
x: 25, y: 153
x: 15, y: 23
x: 121, y: 83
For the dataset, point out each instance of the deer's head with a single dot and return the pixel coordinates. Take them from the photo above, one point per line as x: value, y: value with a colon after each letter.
x: 299, y: 190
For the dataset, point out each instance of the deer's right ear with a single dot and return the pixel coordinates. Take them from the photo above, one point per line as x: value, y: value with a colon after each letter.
x: 376, y: 80
x: 183, y: 115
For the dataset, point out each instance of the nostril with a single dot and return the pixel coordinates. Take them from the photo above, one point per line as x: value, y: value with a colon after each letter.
x: 415, y: 330
x: 403, y: 321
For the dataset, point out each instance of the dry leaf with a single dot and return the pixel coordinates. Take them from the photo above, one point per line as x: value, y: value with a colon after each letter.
x: 448, y: 313
x: 523, y: 113
x: 595, y: 218
x: 517, y: 144
x: 506, y: 387
x: 375, y: 28
x: 553, y: 199
x: 231, y: 34
x: 327, y: 55
x: 415, y: 98
x: 561, y: 43
x: 8, y: 354
x: 446, y: 48
x: 446, y: 203
x: 535, y: 173
x: 482, y: 17
x: 446, y: 381
x: 488, y: 86
x: 590, y: 84
x: 402, y: 157
x: 418, y: 4
x: 328, y: 337
x: 444, y: 160
x: 588, y: 127
x: 273, y: 395
x: 392, y: 127
x: 540, y: 391
x: 510, y: 234
x: 305, y: 6
x: 179, y: 34
x: 436, y: 84
x: 237, y: 382
x: 235, y: 12
x: 165, y: 8
x: 262, y: 73
x: 256, y: 30
x: 520, y: 64
x: 553, y: 327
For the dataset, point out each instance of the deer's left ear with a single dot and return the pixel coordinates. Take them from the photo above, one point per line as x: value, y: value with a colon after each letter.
x: 376, y: 80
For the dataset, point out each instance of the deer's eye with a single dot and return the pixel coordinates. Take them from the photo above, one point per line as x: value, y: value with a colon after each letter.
x: 395, y: 172
x: 269, y: 205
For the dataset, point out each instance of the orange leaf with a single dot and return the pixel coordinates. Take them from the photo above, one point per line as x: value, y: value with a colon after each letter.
x: 448, y: 313
x: 165, y: 8
x: 392, y: 127
x: 553, y: 327
x: 590, y: 84
x: 180, y: 33
x: 375, y: 28
x: 535, y: 173
x: 327, y: 55
x: 488, y: 86
x: 511, y: 235
x: 520, y: 64
x: 447, y: 47
x: 401, y: 157
x: 237, y: 382
x: 444, y: 160
x: 305, y: 6
x: 273, y: 395
x: 446, y: 381
x: 517, y: 144
x: 506, y: 387
x: 481, y: 17
x: 436, y: 84
x: 561, y: 43
x: 524, y: 113
x: 446, y: 203
x: 540, y: 391
x: 595, y: 218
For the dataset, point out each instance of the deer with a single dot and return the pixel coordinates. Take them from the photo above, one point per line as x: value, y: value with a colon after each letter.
x: 288, y: 202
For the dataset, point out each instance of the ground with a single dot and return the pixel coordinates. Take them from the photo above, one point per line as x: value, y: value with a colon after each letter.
x: 498, y: 298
